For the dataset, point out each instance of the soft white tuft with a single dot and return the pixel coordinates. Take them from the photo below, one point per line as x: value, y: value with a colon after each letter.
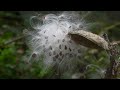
x: 50, y: 38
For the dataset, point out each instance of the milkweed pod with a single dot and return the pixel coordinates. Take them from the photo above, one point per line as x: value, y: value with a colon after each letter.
x: 88, y: 39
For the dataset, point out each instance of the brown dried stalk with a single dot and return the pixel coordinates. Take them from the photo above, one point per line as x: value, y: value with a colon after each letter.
x: 112, y: 70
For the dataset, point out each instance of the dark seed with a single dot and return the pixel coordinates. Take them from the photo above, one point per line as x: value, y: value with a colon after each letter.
x: 34, y: 55
x: 63, y: 40
x: 46, y: 37
x: 57, y: 56
x: 44, y: 31
x: 60, y: 46
x: 71, y: 55
x: 58, y: 40
x: 65, y: 47
x: 70, y: 49
x: 54, y: 36
x: 60, y: 53
x: 50, y: 47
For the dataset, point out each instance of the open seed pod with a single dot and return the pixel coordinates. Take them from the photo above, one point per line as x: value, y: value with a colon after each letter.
x: 88, y: 39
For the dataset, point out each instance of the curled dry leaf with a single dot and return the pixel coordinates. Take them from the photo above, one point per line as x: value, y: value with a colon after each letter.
x: 89, y: 39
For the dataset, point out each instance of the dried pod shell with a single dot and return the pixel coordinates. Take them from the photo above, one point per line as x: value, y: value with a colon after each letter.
x: 88, y: 39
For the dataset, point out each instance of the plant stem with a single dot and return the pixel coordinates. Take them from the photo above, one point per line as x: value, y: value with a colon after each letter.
x: 112, y: 70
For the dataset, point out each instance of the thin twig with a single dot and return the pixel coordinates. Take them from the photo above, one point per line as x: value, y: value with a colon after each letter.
x: 13, y: 40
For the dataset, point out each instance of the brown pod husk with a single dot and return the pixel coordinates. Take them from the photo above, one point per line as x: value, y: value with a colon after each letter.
x: 89, y: 39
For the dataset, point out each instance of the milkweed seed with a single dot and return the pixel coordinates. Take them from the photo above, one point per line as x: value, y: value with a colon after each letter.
x: 65, y: 47
x: 54, y: 36
x: 57, y: 56
x: 34, y: 55
x: 63, y: 40
x: 70, y: 49
x: 70, y: 55
x: 60, y: 46
x: 58, y: 40
x: 79, y: 51
x: 60, y: 53
x: 46, y: 37
x: 44, y: 31
x: 50, y: 47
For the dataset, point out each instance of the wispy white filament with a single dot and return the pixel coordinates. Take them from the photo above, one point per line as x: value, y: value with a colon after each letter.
x: 50, y: 38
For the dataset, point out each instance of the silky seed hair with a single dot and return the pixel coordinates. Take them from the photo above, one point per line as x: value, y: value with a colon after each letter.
x: 50, y: 38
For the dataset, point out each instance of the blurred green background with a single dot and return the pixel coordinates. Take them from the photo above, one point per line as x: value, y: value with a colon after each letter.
x: 12, y: 51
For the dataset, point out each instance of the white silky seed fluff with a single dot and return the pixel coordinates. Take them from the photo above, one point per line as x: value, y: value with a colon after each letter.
x: 50, y: 38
